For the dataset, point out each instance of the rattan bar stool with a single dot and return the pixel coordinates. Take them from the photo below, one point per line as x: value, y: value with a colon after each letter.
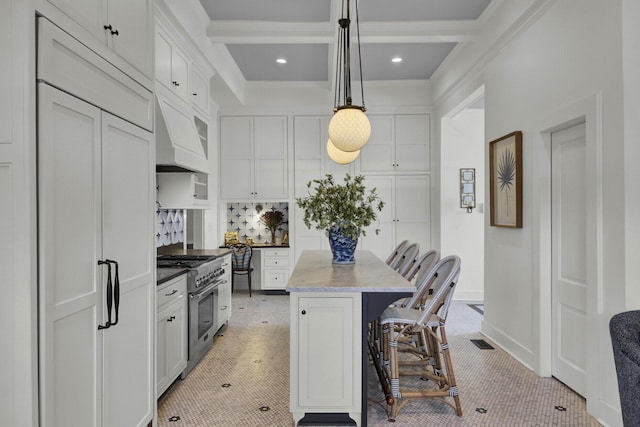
x: 431, y: 357
x: 407, y: 259
x: 397, y: 252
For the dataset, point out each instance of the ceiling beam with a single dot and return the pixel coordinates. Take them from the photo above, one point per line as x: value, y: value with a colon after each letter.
x: 262, y: 32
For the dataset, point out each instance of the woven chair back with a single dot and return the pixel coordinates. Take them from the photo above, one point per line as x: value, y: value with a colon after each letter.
x: 446, y: 276
x: 422, y: 266
x: 397, y: 251
x: 241, y: 257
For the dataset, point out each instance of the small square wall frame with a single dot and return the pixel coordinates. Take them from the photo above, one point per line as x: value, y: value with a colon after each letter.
x: 468, y: 188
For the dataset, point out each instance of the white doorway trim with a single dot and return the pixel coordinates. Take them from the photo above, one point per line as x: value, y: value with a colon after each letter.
x: 588, y: 110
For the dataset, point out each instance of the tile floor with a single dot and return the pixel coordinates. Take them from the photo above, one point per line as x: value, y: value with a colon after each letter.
x: 244, y: 379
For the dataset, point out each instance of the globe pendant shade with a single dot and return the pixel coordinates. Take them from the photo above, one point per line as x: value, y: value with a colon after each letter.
x: 349, y: 129
x: 339, y: 156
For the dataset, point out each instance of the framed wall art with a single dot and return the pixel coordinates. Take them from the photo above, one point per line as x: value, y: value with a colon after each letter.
x: 468, y: 189
x: 505, y: 188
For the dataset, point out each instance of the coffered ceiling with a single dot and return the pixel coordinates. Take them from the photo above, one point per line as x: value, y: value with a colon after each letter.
x: 304, y: 32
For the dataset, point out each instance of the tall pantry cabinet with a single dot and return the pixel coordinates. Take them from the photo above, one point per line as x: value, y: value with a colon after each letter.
x: 95, y: 239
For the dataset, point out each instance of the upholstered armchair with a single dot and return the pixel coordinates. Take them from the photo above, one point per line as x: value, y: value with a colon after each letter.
x: 625, y: 337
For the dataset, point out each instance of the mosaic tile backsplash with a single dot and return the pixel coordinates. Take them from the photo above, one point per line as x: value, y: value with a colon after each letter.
x: 169, y: 226
x: 245, y: 219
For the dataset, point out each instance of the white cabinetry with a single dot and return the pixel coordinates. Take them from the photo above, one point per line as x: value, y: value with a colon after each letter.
x: 172, y: 65
x: 177, y: 190
x: 406, y: 215
x: 275, y: 268
x: 311, y: 162
x: 325, y: 354
x: 199, y: 85
x: 224, y: 293
x: 95, y: 203
x: 253, y: 158
x: 398, y: 143
x: 171, y: 332
x: 123, y: 26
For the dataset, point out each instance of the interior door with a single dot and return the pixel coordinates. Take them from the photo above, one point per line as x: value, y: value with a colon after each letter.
x: 569, y: 257
x: 128, y: 165
x: 69, y: 245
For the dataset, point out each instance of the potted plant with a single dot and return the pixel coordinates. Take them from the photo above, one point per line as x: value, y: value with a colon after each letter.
x: 343, y: 211
x: 272, y: 219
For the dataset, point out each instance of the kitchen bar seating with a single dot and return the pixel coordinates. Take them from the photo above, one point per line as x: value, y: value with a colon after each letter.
x: 421, y: 274
x: 397, y: 252
x: 429, y: 350
x: 407, y: 259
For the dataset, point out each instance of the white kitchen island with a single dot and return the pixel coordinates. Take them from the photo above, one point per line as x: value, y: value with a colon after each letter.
x: 330, y: 307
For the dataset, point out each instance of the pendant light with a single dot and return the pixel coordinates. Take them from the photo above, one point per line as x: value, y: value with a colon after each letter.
x: 339, y: 156
x: 349, y: 128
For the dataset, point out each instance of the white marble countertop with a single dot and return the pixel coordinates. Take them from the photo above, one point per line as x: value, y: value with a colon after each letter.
x: 315, y: 272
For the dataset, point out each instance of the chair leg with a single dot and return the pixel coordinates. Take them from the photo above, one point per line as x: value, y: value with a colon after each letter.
x: 453, y: 388
x: 233, y: 281
x: 249, y: 282
x: 394, y: 377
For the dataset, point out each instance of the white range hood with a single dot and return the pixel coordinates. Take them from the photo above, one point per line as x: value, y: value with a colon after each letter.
x: 178, y: 144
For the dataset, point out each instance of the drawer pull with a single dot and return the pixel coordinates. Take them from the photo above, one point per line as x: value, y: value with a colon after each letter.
x: 175, y: 291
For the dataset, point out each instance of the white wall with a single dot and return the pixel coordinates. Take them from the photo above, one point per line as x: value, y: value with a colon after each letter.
x: 462, y: 233
x: 631, y: 72
x: 570, y: 52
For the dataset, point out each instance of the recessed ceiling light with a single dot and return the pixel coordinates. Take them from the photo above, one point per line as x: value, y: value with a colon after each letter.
x: 396, y: 59
x: 281, y: 61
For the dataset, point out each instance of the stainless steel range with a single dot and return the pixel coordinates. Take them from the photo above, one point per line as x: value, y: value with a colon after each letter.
x: 203, y: 279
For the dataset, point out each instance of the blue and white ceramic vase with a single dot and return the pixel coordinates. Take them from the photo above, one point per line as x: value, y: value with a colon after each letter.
x: 342, y: 247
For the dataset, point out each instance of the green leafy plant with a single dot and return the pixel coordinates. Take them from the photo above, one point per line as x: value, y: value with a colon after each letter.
x: 348, y: 206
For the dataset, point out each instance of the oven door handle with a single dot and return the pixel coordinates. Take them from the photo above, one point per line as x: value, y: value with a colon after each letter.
x: 205, y: 291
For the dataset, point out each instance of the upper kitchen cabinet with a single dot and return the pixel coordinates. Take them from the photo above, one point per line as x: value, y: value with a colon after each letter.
x: 172, y: 65
x: 398, y: 143
x: 253, y: 157
x: 406, y: 214
x: 199, y: 85
x: 311, y: 158
x: 112, y: 28
x: 182, y: 110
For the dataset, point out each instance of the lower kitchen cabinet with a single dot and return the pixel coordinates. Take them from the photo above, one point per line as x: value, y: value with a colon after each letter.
x: 171, y: 332
x: 224, y: 293
x: 325, y: 354
x: 275, y: 268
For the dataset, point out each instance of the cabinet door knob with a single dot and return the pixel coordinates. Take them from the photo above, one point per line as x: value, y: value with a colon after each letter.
x: 304, y: 311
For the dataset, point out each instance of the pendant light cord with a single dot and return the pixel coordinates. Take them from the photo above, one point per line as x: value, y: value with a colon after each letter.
x: 359, y: 55
x: 343, y: 60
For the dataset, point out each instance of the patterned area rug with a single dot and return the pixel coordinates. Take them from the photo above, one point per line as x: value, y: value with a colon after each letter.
x: 244, y: 380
